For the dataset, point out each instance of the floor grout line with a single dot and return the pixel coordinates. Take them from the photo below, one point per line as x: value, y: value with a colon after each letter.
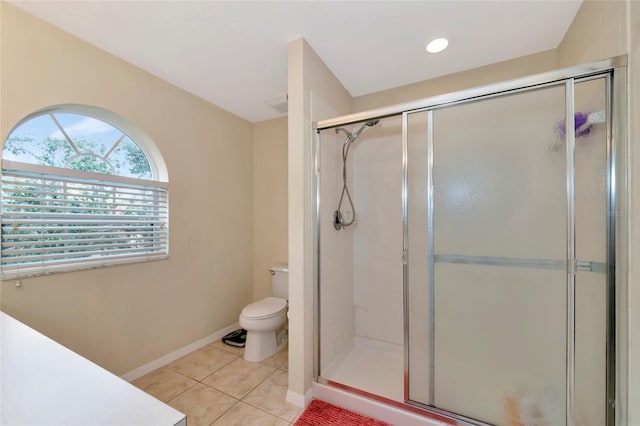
x: 276, y: 367
x: 265, y: 411
x: 262, y: 409
x: 233, y: 396
x: 180, y: 393
x: 225, y: 412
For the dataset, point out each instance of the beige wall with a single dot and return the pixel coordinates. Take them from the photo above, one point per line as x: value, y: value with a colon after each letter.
x: 269, y: 202
x: 598, y: 31
x: 494, y: 73
x: 314, y: 94
x: 125, y: 316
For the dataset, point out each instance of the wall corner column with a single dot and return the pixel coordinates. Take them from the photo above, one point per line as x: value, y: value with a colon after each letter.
x: 314, y: 94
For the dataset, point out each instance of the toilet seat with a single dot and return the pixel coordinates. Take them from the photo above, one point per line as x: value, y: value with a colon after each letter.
x: 265, y: 308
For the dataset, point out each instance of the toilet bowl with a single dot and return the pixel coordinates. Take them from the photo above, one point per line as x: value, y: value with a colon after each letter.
x: 266, y: 319
x: 265, y: 324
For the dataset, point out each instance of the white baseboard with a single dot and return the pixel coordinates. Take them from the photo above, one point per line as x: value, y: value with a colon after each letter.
x: 172, y: 356
x: 298, y: 399
x: 369, y: 407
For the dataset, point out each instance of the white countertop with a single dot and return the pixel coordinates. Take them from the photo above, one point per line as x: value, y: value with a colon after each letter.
x: 43, y: 383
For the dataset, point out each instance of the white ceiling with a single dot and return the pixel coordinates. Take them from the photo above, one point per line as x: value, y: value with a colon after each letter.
x: 234, y: 53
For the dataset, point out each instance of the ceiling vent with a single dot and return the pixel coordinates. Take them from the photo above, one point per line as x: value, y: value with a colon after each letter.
x: 279, y: 103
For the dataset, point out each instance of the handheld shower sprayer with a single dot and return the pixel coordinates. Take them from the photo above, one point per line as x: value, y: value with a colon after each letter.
x: 351, y: 137
x: 338, y: 219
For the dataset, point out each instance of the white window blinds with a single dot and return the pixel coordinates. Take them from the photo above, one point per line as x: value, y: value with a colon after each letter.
x: 57, y: 219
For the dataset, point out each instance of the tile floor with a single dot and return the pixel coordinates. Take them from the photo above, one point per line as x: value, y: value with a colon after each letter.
x: 216, y: 386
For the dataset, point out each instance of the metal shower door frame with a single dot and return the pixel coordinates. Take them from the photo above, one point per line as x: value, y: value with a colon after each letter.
x: 614, y: 71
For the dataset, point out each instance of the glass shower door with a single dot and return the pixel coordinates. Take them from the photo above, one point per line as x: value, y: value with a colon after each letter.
x: 499, y: 322
x: 496, y: 250
x: 500, y: 250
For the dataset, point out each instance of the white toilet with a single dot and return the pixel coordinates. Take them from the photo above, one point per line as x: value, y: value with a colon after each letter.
x: 266, y: 319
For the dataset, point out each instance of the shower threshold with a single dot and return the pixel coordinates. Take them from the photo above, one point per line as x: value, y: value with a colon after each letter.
x: 371, y: 366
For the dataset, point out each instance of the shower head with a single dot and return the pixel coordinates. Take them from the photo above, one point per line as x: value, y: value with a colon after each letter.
x: 369, y: 123
x: 351, y: 137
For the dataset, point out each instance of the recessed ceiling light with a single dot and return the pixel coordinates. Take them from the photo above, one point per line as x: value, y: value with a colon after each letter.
x: 437, y: 45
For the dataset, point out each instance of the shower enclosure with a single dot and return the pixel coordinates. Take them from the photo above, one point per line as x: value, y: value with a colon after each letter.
x: 478, y: 280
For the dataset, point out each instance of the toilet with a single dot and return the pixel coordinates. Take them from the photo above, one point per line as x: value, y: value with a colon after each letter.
x: 266, y: 319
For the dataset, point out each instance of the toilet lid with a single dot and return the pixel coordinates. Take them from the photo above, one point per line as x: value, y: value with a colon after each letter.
x: 264, y: 308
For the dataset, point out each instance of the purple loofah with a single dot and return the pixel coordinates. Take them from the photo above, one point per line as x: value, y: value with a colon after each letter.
x: 580, y: 119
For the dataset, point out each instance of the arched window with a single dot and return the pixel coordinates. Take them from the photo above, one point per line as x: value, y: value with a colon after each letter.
x: 81, y: 188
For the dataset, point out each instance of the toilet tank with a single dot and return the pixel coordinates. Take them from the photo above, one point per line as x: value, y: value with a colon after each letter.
x: 280, y: 281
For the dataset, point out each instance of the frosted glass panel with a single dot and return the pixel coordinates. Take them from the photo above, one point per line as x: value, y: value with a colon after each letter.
x: 500, y: 197
x: 591, y: 170
x: 591, y: 238
x: 500, y: 342
x: 500, y: 182
x: 590, y: 389
x: 418, y: 264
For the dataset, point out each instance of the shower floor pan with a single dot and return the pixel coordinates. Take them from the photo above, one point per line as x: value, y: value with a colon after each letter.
x: 371, y: 366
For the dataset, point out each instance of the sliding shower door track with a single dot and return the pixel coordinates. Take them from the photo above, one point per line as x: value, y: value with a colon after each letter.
x: 444, y: 417
x: 559, y: 265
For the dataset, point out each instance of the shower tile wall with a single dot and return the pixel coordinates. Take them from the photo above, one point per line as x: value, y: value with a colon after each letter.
x: 336, y: 260
x: 377, y: 244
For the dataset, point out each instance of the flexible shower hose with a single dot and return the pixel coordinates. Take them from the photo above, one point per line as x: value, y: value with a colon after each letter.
x: 338, y: 221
